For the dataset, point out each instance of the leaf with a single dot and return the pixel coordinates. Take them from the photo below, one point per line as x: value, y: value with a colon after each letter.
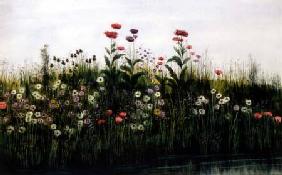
x: 183, y: 74
x: 126, y: 69
x: 186, y: 60
x: 136, y: 76
x: 171, y: 72
x: 177, y: 60
x: 108, y: 51
x: 137, y: 61
x: 177, y: 51
x: 108, y: 62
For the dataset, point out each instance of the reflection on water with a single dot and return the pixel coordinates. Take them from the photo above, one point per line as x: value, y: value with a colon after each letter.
x: 178, y: 166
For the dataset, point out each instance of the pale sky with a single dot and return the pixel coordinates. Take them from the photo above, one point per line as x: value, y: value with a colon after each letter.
x: 228, y: 29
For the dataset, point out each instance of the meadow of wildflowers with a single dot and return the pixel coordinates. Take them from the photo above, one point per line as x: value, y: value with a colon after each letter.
x: 135, y: 108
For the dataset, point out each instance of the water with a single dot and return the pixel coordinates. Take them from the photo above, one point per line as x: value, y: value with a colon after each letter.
x: 176, y: 165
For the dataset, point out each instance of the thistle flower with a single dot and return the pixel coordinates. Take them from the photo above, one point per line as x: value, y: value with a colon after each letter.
x: 248, y: 102
x: 137, y: 94
x: 57, y: 133
x: 100, y: 80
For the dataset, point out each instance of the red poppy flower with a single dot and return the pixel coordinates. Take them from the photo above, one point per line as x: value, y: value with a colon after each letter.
x: 3, y: 105
x: 111, y: 34
x: 189, y: 47
x: 160, y: 63
x: 181, y: 33
x: 109, y: 112
x: 278, y: 119
x: 116, y: 26
x: 218, y: 72
x: 161, y: 58
x: 134, y: 31
x: 269, y: 114
x: 122, y: 114
x: 118, y: 120
x: 130, y: 39
x: 101, y: 122
x: 257, y: 115
x: 120, y: 48
x: 178, y: 39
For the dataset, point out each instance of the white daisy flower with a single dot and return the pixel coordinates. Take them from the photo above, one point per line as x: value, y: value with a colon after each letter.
x: 28, y: 119
x: 221, y: 102
x: 150, y: 106
x: 38, y: 86
x: 74, y: 92
x: 10, y: 129
x: 198, y: 103
x: 146, y: 98
x: 100, y: 80
x: 248, y: 102
x: 217, y: 107
x: 22, y: 129
x: 80, y: 123
x: 57, y: 133
x: 37, y: 114
x: 244, y: 109
x: 21, y: 90
x: 213, y: 91
x: 157, y: 94
x: 91, y: 97
x: 14, y: 92
x: 218, y: 95
x: 195, y: 111
x: 236, y: 107
x: 141, y: 127
x: 137, y: 94
x: 133, y: 127
x: 53, y: 126
x: 34, y: 121
x: 19, y: 96
x: 202, y: 111
x: 226, y: 99
x: 63, y: 86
